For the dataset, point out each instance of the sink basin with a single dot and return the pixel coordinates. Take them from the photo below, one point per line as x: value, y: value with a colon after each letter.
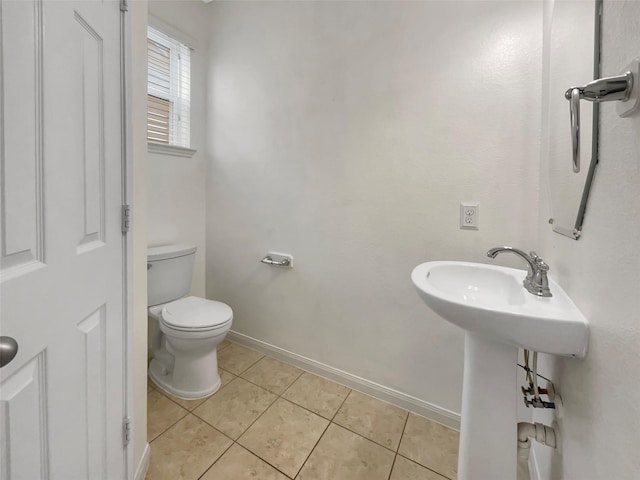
x: 490, y: 300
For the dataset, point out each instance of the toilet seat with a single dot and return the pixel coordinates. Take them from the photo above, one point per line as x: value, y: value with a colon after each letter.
x: 195, y: 314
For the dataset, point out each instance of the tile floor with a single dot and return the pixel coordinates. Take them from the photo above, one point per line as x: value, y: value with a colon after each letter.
x: 273, y: 421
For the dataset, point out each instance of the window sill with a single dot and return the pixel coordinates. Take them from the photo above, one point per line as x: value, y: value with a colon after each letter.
x: 174, y: 150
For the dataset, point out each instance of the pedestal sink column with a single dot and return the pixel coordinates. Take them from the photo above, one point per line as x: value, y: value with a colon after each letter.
x: 488, y: 430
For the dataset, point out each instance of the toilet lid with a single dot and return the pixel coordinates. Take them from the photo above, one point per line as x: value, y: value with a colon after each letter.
x: 195, y: 313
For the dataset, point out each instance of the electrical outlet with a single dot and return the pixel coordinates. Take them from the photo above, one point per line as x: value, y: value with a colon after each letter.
x: 469, y: 215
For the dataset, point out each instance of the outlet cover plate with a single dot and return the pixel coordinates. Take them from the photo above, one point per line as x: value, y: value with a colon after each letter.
x: 469, y: 215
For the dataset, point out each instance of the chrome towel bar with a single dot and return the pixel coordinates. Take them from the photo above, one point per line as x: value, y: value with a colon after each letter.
x: 609, y: 89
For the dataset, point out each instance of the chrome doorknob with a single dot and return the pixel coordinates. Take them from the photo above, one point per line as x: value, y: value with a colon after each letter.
x: 8, y: 350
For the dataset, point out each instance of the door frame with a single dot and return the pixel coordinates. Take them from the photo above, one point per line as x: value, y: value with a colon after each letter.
x: 134, y: 84
x: 127, y: 238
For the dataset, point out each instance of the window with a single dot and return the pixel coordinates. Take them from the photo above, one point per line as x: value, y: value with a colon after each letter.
x: 168, y: 91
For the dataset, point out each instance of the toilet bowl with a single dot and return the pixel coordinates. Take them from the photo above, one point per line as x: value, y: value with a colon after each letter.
x: 186, y: 330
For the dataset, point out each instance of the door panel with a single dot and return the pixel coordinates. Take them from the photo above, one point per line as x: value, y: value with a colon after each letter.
x: 23, y: 415
x: 62, y: 397
x: 89, y: 48
x: 92, y: 330
x: 21, y: 207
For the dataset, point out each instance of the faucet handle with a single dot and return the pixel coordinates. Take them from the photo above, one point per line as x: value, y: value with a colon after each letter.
x: 540, y: 263
x: 540, y: 282
x: 542, y: 266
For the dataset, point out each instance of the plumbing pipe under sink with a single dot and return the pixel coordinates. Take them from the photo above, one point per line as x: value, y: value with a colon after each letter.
x: 527, y: 431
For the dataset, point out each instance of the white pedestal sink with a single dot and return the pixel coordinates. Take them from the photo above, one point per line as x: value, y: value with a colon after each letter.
x: 498, y: 316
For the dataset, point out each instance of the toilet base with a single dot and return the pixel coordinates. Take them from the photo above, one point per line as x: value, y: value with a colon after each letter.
x: 164, y: 381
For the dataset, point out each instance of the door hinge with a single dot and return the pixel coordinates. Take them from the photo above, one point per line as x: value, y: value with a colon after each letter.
x: 126, y: 218
x: 124, y: 6
x: 127, y: 430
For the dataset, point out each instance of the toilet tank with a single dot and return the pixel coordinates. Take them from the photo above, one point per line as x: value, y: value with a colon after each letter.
x: 169, y: 272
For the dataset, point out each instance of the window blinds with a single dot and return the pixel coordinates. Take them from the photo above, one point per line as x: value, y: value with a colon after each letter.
x: 168, y: 90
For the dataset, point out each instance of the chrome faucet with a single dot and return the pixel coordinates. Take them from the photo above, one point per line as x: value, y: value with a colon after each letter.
x: 536, y: 281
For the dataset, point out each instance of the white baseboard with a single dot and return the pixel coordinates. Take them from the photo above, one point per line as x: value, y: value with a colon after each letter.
x: 143, y: 466
x: 413, y: 404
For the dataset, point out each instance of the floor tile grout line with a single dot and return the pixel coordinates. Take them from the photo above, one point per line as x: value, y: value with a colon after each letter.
x: 307, y: 409
x: 314, y: 413
x: 170, y: 426
x: 286, y: 363
x: 367, y: 439
x: 341, y: 405
x: 327, y: 427
x: 165, y: 395
x: 364, y: 436
x: 404, y: 427
x: 233, y: 442
x: 242, y: 346
x: 349, y: 393
x: 205, y: 421
x: 332, y: 420
x: 218, y: 431
x: 239, y: 375
x: 213, y: 426
x: 257, y: 418
x: 297, y: 378
x: 243, y: 371
x: 424, y: 466
x: 280, y: 396
x: 312, y: 450
x: 262, y: 386
x: 217, y: 459
x: 265, y: 460
x: 302, y: 372
x: 244, y: 431
x: 262, y: 459
x: 410, y: 459
x: 254, y: 384
x: 393, y: 464
x: 190, y: 411
x: 323, y: 433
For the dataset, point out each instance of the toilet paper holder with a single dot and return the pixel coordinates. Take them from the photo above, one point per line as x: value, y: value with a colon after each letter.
x: 278, y: 260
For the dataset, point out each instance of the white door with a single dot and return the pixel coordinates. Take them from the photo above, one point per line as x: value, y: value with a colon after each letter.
x: 62, y: 398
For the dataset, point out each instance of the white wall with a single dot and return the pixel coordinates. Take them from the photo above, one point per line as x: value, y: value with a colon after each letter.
x: 176, y: 185
x: 601, y: 272
x: 346, y: 134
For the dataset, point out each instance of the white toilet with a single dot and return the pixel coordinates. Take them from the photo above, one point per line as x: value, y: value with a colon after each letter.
x: 188, y: 329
